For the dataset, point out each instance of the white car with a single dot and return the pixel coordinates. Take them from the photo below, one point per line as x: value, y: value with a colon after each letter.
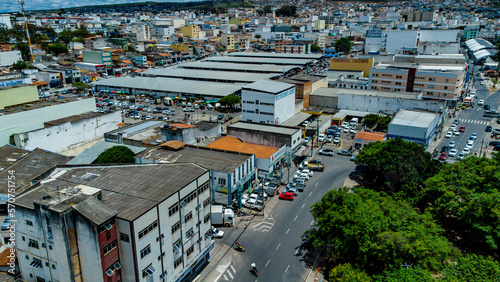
x: 309, y: 172
x: 449, y: 134
x: 321, y: 137
x: 346, y: 130
x: 307, y: 139
x: 217, y: 233
x: 480, y: 103
x: 456, y: 133
x: 474, y: 135
x: 453, y: 152
x: 345, y: 124
x: 460, y: 156
x: 466, y: 151
x: 470, y: 144
x: 353, y: 131
x: 452, y: 144
x: 482, y: 83
x: 453, y: 127
x: 336, y: 140
x: 301, y: 175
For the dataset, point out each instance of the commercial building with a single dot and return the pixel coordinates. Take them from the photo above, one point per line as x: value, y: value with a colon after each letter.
x: 190, y: 133
x: 54, y: 79
x: 246, y: 68
x: 269, y: 160
x: 7, y: 58
x: 227, y: 40
x: 141, y: 134
x: 17, y: 95
x: 414, y: 126
x: 268, y: 101
x: 98, y: 57
x: 69, y: 132
x: 350, y: 64
x: 259, y: 61
x: 437, y: 82
x: 97, y: 68
x: 276, y: 55
x: 208, y: 75
x: 115, y: 223
x: 231, y: 173
x: 32, y: 117
x: 266, y: 134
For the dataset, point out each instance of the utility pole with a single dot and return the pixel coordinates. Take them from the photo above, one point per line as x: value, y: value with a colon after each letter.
x: 21, y: 2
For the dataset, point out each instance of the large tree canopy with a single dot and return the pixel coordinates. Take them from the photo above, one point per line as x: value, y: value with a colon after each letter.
x: 116, y: 155
x: 397, y: 164
x: 230, y: 100
x: 372, y: 231
x: 343, y: 45
x: 465, y: 197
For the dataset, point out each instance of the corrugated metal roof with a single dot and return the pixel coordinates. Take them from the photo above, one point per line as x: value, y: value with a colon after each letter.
x: 90, y: 155
x: 230, y: 76
x: 272, y: 61
x: 276, y: 55
x: 269, y: 86
x: 238, y: 67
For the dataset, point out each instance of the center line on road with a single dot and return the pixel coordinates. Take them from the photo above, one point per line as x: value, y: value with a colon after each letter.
x: 288, y: 231
x: 316, y: 184
x: 303, y: 205
x: 297, y: 251
x: 296, y: 217
x: 310, y: 194
x: 312, y: 222
x: 287, y: 268
x: 278, y: 246
x: 267, y: 262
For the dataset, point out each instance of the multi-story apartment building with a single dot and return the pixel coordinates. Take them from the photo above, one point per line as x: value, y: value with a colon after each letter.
x: 115, y: 223
x: 227, y: 40
x: 191, y: 31
x: 442, y: 82
x: 95, y: 42
x: 267, y: 101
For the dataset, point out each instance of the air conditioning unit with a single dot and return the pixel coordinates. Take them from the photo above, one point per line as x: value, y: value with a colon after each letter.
x: 109, y: 272
x: 183, y: 204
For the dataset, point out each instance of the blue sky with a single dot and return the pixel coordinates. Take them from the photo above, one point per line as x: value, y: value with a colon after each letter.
x: 13, y: 6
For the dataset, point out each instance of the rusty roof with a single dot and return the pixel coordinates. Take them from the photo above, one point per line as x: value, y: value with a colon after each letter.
x: 235, y: 144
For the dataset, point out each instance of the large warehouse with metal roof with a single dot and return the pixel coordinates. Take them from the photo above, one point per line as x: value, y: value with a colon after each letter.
x: 208, y: 75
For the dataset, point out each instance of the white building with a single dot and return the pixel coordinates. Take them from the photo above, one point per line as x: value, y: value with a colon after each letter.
x: 267, y: 101
x: 8, y: 58
x: 115, y: 223
x: 414, y: 126
x: 5, y: 20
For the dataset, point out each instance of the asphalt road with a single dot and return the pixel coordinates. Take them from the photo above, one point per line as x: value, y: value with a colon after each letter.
x: 276, y: 244
x: 474, y: 122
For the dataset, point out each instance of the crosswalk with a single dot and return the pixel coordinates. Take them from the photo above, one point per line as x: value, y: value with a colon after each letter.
x: 229, y: 274
x: 475, y: 121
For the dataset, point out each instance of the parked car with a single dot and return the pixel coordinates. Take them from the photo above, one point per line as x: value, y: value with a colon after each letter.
x: 453, y: 152
x: 344, y: 153
x: 462, y: 129
x: 286, y: 196
x: 449, y: 134
x: 480, y: 103
x: 452, y: 144
x: 307, y: 139
x: 329, y: 139
x: 443, y: 157
x: 488, y: 128
x: 5, y: 224
x: 445, y: 149
x: 473, y: 136
x: 460, y: 156
x: 217, y: 233
x: 336, y: 140
x: 188, y: 110
x: 326, y: 152
x: 456, y: 121
x: 321, y: 137
x: 291, y: 190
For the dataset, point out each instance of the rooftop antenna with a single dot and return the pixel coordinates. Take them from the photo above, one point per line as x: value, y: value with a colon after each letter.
x: 21, y: 2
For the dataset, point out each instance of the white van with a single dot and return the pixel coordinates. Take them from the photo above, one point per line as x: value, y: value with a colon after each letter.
x: 210, y: 107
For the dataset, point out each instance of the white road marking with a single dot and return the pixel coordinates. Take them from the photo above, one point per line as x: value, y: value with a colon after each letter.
x: 225, y: 278
x: 303, y: 205
x: 267, y: 263
x: 230, y: 275
x: 310, y: 194
x: 287, y: 268
x: 297, y: 251
x: 296, y: 217
x: 232, y: 268
x: 278, y: 246
x: 316, y: 184
x: 312, y: 222
x: 288, y: 231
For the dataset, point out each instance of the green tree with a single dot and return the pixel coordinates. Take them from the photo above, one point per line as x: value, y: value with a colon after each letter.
x: 230, y: 100
x: 257, y: 36
x: 394, y: 163
x: 472, y: 267
x: 19, y: 65
x: 57, y: 48
x: 465, y: 197
x: 25, y: 50
x: 287, y: 11
x: 315, y: 48
x: 370, y: 120
x: 81, y: 32
x: 343, y: 45
x: 383, y: 123
x: 346, y: 272
x: 116, y: 155
x: 372, y: 231
x: 410, y: 273
x: 80, y: 85
x: 66, y: 35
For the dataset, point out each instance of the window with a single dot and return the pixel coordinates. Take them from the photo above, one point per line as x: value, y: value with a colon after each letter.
x: 173, y: 209
x: 124, y: 237
x: 257, y: 111
x: 148, y: 229
x: 189, y: 197
x: 256, y: 102
x: 148, y: 271
x: 206, y: 219
x: 108, y: 248
x: 33, y: 244
x: 190, y: 251
x: 107, y: 225
x: 399, y: 76
x: 177, y: 246
x: 447, y: 80
x: 398, y: 83
x: 432, y: 79
x: 446, y: 87
x: 203, y: 188
x: 29, y: 222
x: 206, y: 203
x: 222, y: 181
x: 190, y: 233
x: 188, y: 217
x: 430, y: 93
x: 177, y: 262
x: 50, y: 247
x: 23, y: 238
x: 208, y: 234
x: 146, y: 251
x: 430, y: 86
x: 444, y: 95
x: 176, y: 226
x: 53, y: 266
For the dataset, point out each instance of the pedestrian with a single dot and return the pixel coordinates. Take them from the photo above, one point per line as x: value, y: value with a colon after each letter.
x: 246, y: 224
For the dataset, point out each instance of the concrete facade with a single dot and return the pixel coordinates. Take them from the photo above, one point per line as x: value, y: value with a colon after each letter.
x: 34, y: 119
x: 267, y: 135
x: 8, y: 58
x: 68, y: 134
x: 414, y: 126
x: 17, y: 95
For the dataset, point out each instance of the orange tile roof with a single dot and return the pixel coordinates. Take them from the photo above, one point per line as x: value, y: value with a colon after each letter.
x: 40, y: 83
x: 127, y: 61
x: 371, y: 136
x: 183, y: 125
x: 174, y: 145
x: 235, y: 144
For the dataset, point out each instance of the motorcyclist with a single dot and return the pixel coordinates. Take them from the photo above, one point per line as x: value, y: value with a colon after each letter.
x: 238, y: 245
x: 254, y: 269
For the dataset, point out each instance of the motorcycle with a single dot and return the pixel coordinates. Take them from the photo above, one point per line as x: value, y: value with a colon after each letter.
x: 254, y: 270
x: 239, y: 248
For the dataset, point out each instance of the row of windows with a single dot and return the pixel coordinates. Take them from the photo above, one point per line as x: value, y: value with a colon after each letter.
x: 109, y: 247
x: 203, y: 188
x: 38, y: 262
x: 188, y: 217
x: 249, y: 102
x: 178, y: 262
x: 206, y: 203
x: 124, y: 237
x: 190, y: 251
x: 266, y: 113
x: 146, y: 251
x: 206, y: 219
x: 248, y: 111
x: 189, y: 197
x: 148, y: 229
x: 398, y: 83
x: 266, y: 104
x: 176, y: 226
x: 173, y: 209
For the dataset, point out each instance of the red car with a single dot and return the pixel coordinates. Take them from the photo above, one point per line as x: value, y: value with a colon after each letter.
x: 443, y: 157
x: 286, y: 196
x: 461, y: 129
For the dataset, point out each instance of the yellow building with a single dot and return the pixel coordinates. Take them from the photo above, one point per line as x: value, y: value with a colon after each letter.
x: 191, y: 31
x: 319, y: 24
x: 235, y: 21
x: 350, y: 64
x: 184, y: 48
x: 16, y: 95
x: 227, y: 40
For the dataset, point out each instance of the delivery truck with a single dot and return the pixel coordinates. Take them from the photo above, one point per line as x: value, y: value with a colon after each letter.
x: 222, y: 216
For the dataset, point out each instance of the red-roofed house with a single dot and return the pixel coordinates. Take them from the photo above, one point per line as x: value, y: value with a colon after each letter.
x: 363, y: 137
